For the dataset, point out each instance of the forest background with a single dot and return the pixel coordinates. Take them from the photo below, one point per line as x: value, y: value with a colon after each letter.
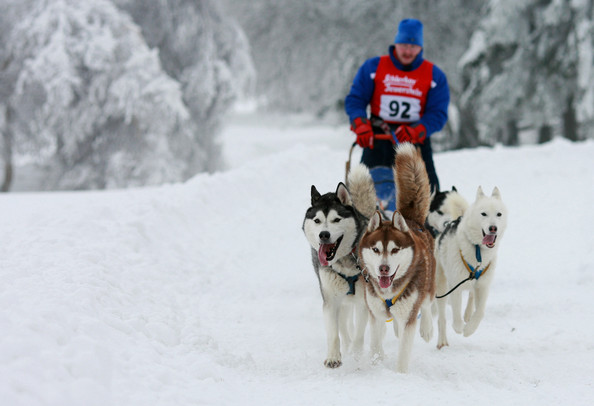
x: 120, y: 93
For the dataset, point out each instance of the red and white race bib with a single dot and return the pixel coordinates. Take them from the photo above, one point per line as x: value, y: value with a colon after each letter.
x: 400, y: 96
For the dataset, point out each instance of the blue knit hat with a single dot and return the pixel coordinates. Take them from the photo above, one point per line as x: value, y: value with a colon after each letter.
x: 410, y: 31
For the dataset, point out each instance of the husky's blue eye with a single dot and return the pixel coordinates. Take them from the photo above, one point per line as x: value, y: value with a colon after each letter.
x: 317, y: 221
x: 375, y: 250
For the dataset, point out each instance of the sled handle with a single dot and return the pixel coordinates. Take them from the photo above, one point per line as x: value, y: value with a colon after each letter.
x: 385, y: 137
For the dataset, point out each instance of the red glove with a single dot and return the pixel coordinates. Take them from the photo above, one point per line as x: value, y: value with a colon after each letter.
x: 362, y: 128
x: 414, y: 133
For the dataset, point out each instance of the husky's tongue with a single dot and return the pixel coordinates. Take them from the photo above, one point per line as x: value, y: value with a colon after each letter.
x: 385, y: 282
x: 489, y: 240
x: 322, y: 254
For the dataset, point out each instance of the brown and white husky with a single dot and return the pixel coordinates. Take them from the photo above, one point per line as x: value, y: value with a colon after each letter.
x: 398, y: 258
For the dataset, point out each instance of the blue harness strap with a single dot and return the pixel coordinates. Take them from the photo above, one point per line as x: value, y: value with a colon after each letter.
x: 351, y: 280
x: 477, y: 250
x: 475, y: 273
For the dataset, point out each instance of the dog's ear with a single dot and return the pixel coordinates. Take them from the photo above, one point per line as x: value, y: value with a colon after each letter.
x: 399, y: 223
x: 343, y: 194
x: 479, y: 193
x: 374, y: 222
x: 496, y: 194
x: 315, y: 195
x: 454, y: 189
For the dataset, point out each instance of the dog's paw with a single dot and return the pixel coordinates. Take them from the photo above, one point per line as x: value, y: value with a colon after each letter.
x: 332, y: 363
x: 427, y: 332
x: 470, y: 327
x: 441, y: 344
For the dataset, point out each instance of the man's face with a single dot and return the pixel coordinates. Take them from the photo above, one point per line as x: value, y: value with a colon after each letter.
x: 406, y: 53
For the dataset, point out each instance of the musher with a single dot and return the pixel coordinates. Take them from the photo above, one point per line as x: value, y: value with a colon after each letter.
x: 408, y: 98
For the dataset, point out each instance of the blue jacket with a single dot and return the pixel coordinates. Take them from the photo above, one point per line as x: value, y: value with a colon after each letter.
x: 438, y: 98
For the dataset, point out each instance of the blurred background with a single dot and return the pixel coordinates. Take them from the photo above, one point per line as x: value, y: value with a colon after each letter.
x: 126, y: 93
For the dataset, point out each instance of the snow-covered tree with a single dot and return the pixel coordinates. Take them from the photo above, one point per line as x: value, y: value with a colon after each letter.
x: 11, y: 11
x: 100, y: 101
x: 206, y: 52
x: 91, y: 102
x: 530, y: 66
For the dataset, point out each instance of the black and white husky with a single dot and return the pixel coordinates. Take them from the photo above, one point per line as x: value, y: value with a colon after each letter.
x: 467, y: 251
x: 445, y: 206
x: 333, y: 226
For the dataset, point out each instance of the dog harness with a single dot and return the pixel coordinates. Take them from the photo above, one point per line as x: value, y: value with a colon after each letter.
x: 351, y: 280
x: 475, y: 272
x: 391, y: 302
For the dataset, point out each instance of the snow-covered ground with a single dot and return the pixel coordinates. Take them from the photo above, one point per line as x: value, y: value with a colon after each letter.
x: 203, y: 293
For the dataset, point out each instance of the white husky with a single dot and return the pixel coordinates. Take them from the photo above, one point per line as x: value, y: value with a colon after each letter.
x: 467, y: 250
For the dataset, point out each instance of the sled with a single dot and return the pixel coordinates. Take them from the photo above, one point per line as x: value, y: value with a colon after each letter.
x: 383, y: 178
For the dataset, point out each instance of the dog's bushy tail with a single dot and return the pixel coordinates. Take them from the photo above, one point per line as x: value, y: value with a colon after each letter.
x: 362, y: 190
x: 455, y: 205
x: 413, y: 193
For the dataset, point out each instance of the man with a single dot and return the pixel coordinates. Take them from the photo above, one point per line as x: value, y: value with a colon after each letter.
x: 408, y: 96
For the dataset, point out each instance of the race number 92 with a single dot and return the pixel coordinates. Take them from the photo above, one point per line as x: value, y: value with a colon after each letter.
x: 402, y: 108
x: 395, y: 108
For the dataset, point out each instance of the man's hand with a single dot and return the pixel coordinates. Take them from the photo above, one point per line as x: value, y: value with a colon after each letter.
x: 362, y: 128
x: 414, y: 133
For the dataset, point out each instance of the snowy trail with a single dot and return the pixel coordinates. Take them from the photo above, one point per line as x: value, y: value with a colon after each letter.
x: 203, y: 293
